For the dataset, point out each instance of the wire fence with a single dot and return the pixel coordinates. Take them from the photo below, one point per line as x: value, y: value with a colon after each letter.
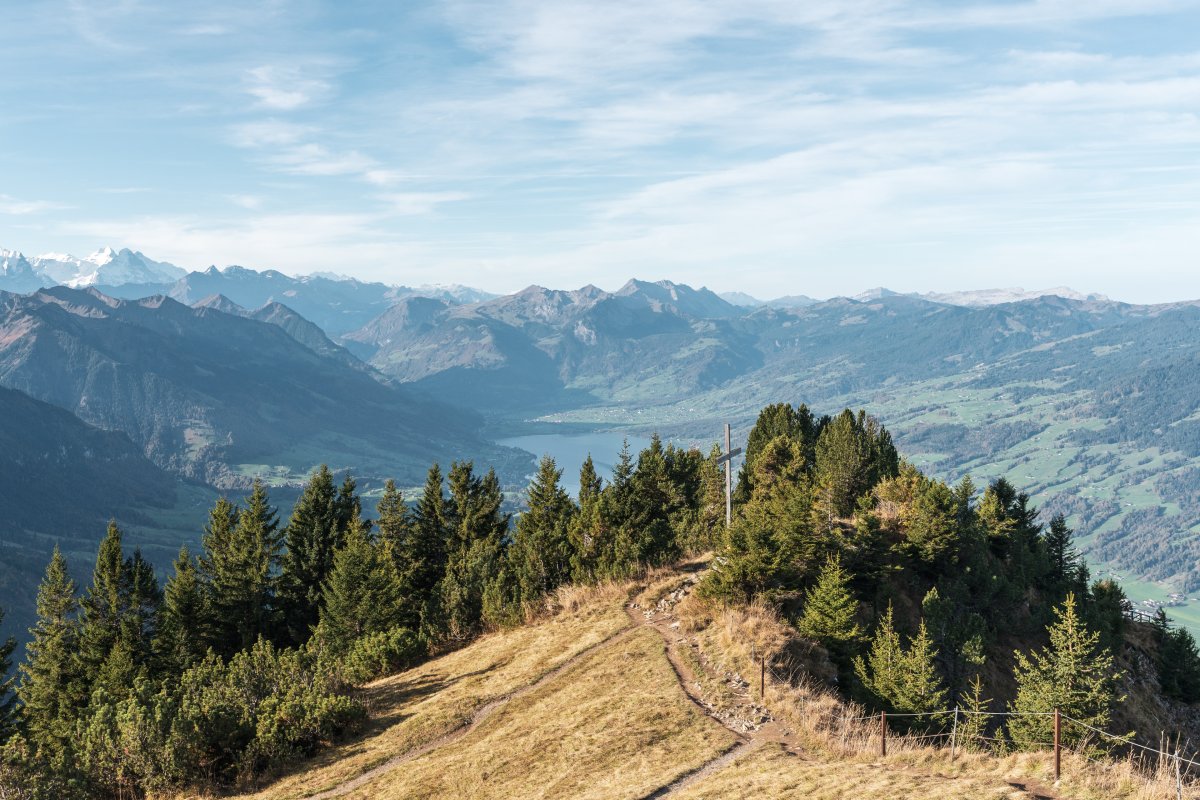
x: 1149, y: 761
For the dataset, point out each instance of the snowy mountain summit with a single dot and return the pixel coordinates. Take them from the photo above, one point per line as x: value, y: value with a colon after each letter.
x: 106, y: 267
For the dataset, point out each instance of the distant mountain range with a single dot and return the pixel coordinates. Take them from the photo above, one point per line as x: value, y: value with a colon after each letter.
x: 337, y: 304
x: 213, y: 395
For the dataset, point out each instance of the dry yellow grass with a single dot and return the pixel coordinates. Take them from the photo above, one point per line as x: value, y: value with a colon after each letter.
x: 768, y: 773
x: 413, y: 708
x: 615, y: 725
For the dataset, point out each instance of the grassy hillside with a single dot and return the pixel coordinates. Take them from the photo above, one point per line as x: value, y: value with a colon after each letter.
x: 626, y: 692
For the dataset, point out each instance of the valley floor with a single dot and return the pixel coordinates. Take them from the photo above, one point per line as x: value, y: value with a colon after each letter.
x: 610, y: 697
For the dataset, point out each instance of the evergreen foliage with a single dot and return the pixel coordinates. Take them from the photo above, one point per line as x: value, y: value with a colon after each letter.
x: 314, y: 533
x: 361, y: 597
x: 183, y: 631
x: 830, y: 610
x: 898, y: 679
x: 52, y: 688
x: 8, y: 700
x: 541, y: 550
x: 1073, y: 674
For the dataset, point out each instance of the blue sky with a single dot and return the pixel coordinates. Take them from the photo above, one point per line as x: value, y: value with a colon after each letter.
x: 775, y: 147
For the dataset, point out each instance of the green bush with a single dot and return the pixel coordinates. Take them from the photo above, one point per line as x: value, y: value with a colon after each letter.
x: 380, y: 654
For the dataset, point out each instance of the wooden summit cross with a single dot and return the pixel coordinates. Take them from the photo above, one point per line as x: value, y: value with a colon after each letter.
x: 727, y: 460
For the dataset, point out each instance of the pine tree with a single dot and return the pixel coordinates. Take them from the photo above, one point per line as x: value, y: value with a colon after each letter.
x: 362, y: 594
x: 541, y: 551
x: 830, y: 610
x: 143, y: 609
x: 1073, y: 674
x: 776, y: 420
x: 52, y: 690
x: 8, y: 701
x: 313, y: 535
x: 183, y: 634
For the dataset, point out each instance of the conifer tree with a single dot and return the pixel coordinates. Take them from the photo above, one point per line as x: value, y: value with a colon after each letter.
x: 183, y: 634
x: 104, y: 605
x: 903, y: 681
x: 52, y: 690
x: 313, y: 535
x: 774, y: 421
x: 1073, y: 674
x: 8, y: 701
x: 421, y: 557
x: 541, y: 551
x: 241, y: 558
x: 830, y: 610
x: 957, y: 633
x: 475, y: 547
x: 392, y: 520
x: 586, y: 532
x: 361, y: 596
x: 1063, y: 560
x: 973, y: 725
x: 139, y: 625
x: 1178, y: 661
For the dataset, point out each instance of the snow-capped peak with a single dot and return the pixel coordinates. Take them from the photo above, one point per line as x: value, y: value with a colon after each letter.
x: 106, y: 267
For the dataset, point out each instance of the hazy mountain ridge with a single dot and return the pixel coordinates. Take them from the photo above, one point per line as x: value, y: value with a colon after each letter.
x: 202, y: 391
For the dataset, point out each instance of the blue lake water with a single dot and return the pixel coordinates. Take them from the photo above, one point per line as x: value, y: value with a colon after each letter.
x: 570, y: 450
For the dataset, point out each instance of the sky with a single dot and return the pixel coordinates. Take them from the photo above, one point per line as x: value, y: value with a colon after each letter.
x: 768, y: 146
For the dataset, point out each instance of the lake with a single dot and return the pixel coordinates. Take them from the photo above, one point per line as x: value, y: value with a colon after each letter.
x: 570, y: 449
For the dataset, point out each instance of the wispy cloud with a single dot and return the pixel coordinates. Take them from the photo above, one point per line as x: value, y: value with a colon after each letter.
x: 284, y: 87
x: 17, y: 207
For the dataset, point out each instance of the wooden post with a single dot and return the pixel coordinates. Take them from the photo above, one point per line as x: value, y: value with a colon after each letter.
x: 1178, y: 776
x: 762, y: 680
x: 728, y: 480
x: 954, y: 734
x: 1057, y: 745
x: 883, y: 734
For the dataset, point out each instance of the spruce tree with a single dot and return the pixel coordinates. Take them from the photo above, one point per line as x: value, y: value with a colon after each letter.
x: 52, y: 690
x: 587, y: 532
x: 541, y: 550
x: 957, y: 633
x: 830, y: 610
x: 392, y: 520
x: 904, y: 681
x: 8, y: 701
x: 361, y: 596
x: 313, y: 535
x: 183, y: 634
x: 1073, y: 674
x: 1063, y: 560
x: 241, y: 559
x: 475, y: 547
x: 1178, y: 662
x: 104, y: 605
x: 774, y: 421
x: 421, y: 557
x: 973, y: 725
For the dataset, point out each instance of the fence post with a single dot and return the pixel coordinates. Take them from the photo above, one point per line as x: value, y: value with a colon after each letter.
x: 1057, y: 745
x: 762, y: 680
x: 954, y: 734
x: 1178, y: 776
x: 883, y: 734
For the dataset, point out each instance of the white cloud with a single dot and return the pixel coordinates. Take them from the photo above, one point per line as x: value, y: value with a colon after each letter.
x: 284, y: 88
x: 17, y: 207
x: 413, y: 203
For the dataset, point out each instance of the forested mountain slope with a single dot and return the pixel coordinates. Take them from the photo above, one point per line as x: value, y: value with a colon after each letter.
x: 217, y: 397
